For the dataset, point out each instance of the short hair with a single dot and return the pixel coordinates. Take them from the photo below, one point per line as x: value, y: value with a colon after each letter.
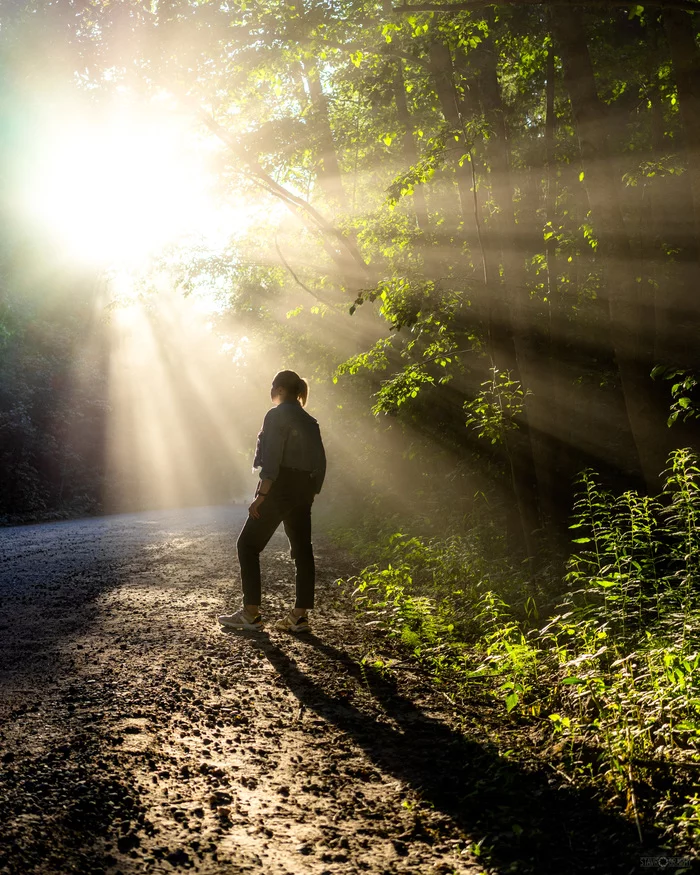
x: 293, y: 384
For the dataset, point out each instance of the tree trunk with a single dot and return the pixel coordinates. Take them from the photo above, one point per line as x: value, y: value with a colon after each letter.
x: 680, y: 33
x: 500, y: 248
x: 680, y: 308
x: 629, y: 324
x: 556, y: 476
x: 409, y: 146
x: 518, y: 347
x: 328, y: 168
x: 329, y: 176
x: 443, y: 81
x: 550, y: 196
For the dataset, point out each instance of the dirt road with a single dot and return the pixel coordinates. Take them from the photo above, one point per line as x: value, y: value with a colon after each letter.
x: 137, y: 736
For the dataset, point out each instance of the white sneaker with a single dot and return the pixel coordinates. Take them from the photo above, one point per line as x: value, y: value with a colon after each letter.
x: 290, y: 623
x: 240, y: 620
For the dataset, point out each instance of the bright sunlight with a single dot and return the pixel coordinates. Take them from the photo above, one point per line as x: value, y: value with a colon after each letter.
x: 116, y: 188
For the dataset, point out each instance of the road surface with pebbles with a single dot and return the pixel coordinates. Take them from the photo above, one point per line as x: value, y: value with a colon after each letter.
x: 138, y: 736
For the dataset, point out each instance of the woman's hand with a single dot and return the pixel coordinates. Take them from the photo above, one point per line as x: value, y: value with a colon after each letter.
x: 254, y: 509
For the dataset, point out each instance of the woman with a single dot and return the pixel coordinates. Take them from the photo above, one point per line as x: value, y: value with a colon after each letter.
x: 292, y: 460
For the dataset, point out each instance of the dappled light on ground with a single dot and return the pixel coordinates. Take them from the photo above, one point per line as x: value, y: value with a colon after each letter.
x: 160, y: 741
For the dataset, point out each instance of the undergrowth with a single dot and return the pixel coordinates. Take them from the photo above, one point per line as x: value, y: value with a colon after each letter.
x: 611, y: 675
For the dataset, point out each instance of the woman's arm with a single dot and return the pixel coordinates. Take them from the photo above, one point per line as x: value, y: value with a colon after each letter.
x: 274, y: 435
x: 264, y: 487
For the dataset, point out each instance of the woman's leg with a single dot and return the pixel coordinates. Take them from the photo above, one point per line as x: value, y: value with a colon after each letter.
x: 297, y: 525
x: 253, y: 539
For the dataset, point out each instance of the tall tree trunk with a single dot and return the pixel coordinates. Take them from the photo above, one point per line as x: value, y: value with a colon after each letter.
x: 329, y: 176
x: 629, y: 324
x: 556, y: 477
x: 550, y: 195
x: 409, y: 146
x: 517, y: 348
x: 442, y: 69
x: 328, y: 168
x: 680, y: 33
x: 499, y: 248
x: 681, y: 311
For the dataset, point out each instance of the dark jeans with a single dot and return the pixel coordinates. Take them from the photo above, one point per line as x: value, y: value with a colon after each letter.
x: 288, y: 502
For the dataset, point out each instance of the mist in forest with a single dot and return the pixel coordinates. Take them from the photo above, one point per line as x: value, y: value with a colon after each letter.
x: 473, y: 230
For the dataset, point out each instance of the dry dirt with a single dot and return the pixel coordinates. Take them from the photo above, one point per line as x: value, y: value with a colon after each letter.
x: 137, y: 736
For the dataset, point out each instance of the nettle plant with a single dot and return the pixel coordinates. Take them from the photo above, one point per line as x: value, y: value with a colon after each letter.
x: 684, y: 392
x: 616, y: 672
x: 627, y: 643
x: 495, y: 410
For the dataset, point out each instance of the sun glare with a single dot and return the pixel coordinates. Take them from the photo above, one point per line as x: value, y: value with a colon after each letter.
x: 114, y: 190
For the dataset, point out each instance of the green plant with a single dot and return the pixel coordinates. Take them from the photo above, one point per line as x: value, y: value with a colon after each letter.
x: 496, y: 408
x: 684, y: 400
x: 614, y: 670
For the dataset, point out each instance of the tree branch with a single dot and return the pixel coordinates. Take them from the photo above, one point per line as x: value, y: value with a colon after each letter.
x: 333, y: 239
x: 381, y: 51
x: 475, y: 5
x: 296, y: 278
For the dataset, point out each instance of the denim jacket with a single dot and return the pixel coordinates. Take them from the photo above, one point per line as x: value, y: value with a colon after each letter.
x: 290, y: 438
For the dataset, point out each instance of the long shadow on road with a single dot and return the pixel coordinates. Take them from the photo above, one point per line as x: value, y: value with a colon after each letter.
x: 524, y: 820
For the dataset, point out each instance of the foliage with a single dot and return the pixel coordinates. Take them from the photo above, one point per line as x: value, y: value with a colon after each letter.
x: 53, y: 406
x: 612, y: 675
x: 496, y: 408
x: 441, y: 187
x: 684, y: 396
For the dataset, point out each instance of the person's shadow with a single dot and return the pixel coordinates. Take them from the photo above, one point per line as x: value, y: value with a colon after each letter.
x: 527, y: 823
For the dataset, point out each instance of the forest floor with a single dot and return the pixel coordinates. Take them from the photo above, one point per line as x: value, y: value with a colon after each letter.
x: 137, y: 736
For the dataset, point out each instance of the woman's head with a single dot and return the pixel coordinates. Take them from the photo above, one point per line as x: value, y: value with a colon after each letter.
x: 289, y: 386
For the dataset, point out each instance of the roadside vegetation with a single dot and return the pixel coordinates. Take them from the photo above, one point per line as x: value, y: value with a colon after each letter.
x: 607, y: 671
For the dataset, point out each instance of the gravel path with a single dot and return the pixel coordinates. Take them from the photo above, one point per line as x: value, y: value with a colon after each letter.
x: 136, y: 736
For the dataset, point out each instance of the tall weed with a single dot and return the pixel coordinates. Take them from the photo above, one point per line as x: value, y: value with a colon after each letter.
x: 613, y: 671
